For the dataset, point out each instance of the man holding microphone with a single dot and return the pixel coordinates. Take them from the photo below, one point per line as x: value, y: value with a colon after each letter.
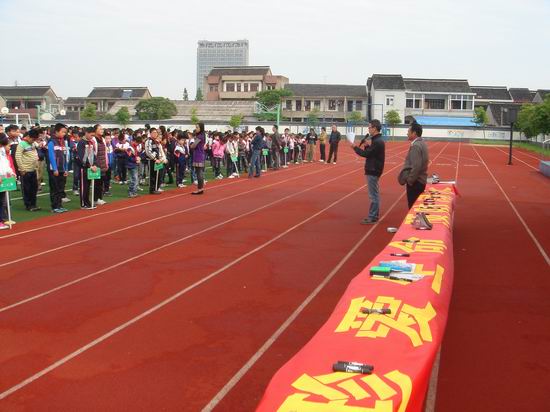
x: 374, y: 154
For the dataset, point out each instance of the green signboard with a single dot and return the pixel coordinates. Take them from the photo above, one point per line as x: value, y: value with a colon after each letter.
x: 8, y: 184
x: 94, y: 175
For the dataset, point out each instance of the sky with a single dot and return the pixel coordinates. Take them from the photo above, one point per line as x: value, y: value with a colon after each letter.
x: 74, y: 45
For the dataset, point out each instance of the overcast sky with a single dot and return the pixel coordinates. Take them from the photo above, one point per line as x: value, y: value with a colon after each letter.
x: 75, y: 45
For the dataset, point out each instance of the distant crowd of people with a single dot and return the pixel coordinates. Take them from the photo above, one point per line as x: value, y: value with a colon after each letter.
x: 100, y: 157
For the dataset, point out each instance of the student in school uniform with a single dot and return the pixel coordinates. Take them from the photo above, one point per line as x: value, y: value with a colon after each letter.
x: 7, y: 169
x: 86, y: 159
x: 181, y: 154
x: 155, y: 155
x: 27, y: 163
x: 132, y: 164
x: 58, y: 166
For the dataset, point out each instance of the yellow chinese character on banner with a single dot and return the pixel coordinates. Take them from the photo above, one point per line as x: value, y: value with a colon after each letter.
x: 350, y: 392
x: 422, y: 246
x: 409, y: 320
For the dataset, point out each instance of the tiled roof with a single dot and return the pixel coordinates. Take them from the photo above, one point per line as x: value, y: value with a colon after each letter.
x: 491, y: 92
x: 327, y: 90
x: 118, y: 92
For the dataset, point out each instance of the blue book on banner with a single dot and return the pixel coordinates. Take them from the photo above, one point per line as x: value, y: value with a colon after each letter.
x: 398, y: 265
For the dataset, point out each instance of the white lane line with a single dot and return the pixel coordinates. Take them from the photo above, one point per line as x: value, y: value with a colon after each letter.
x: 271, y: 340
x: 150, y: 251
x: 165, y: 302
x: 135, y: 257
x: 162, y: 199
x: 517, y: 158
x: 535, y: 240
x: 431, y: 395
x: 165, y: 216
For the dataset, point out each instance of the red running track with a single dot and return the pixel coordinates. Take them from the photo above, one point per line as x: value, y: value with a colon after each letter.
x: 211, y: 299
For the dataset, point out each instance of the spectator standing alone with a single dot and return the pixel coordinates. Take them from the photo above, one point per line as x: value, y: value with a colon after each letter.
x: 415, y: 169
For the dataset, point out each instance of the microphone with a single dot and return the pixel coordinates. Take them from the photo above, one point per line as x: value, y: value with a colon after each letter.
x: 367, y: 136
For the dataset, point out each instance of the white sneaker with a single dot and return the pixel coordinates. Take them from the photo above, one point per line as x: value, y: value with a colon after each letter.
x: 181, y: 185
x: 333, y: 163
x: 3, y: 226
x: 43, y: 184
x: 195, y: 182
x: 75, y: 192
x: 100, y: 202
x: 231, y: 177
x: 121, y: 183
x: 65, y: 200
x: 322, y: 161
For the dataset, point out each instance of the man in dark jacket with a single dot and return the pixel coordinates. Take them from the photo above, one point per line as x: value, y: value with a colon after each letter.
x: 415, y: 169
x: 374, y: 155
x: 334, y: 139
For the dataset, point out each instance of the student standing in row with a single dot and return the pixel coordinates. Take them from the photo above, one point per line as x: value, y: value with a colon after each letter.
x: 27, y: 163
x: 7, y: 169
x: 155, y: 155
x: 256, y: 145
x: 86, y: 159
x: 199, y: 157
x: 132, y: 164
x: 102, y: 153
x: 58, y: 159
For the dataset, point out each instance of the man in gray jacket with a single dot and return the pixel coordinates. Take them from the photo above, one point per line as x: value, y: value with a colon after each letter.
x: 415, y: 170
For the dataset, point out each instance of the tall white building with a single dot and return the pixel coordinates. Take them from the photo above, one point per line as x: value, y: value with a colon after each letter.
x: 212, y: 54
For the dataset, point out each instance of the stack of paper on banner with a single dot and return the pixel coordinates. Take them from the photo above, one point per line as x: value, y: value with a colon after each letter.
x: 351, y: 137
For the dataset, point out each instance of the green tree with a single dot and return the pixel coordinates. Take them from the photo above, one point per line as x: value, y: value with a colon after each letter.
x: 199, y: 95
x: 107, y: 116
x: 526, y: 122
x: 123, y: 116
x: 89, y: 112
x: 481, y: 118
x: 313, y: 117
x: 236, y: 120
x: 270, y: 98
x: 194, y: 118
x: 355, y: 117
x: 392, y: 119
x: 155, y: 108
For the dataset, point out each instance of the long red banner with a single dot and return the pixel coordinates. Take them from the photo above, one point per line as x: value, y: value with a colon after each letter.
x: 399, y: 337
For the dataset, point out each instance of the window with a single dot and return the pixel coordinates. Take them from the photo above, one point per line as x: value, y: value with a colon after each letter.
x: 307, y: 105
x: 434, y: 103
x: 413, y: 101
x: 350, y: 105
x: 317, y: 104
x: 238, y: 87
x: 298, y: 105
x: 389, y: 100
x: 461, y: 102
x: 213, y: 88
x: 245, y: 87
x: 288, y: 105
x: 359, y: 105
x: 253, y: 87
x: 229, y: 87
x: 332, y: 104
x: 270, y: 87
